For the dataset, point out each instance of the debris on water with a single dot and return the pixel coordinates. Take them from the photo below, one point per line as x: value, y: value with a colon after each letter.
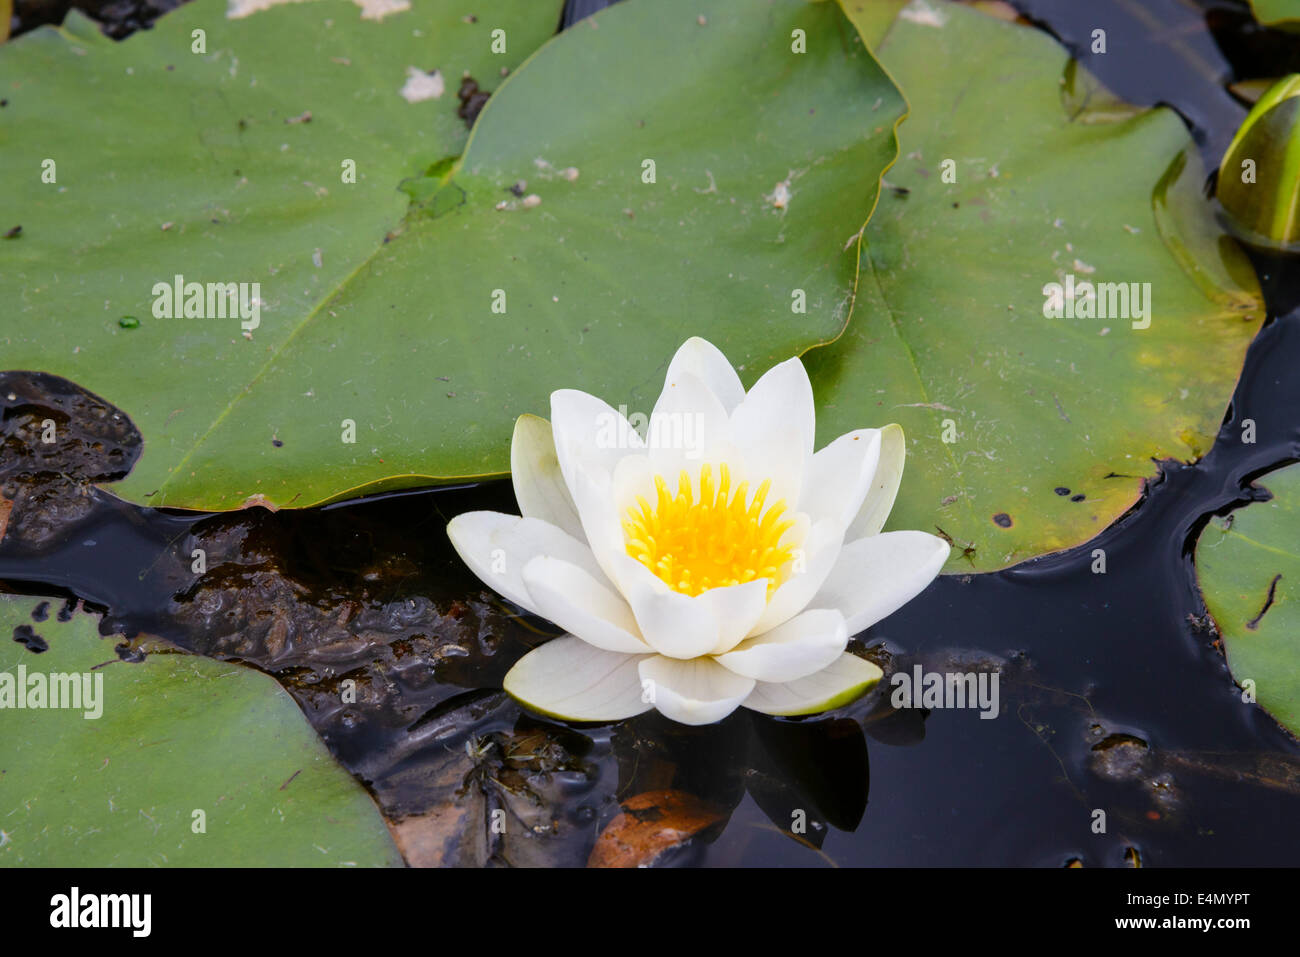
x: 779, y: 198
x: 370, y: 9
x: 14, y: 232
x: 472, y: 100
x: 27, y: 637
x: 1253, y: 624
x: 421, y: 86
x: 1120, y: 757
x: 921, y: 12
x: 531, y: 201
x: 303, y: 117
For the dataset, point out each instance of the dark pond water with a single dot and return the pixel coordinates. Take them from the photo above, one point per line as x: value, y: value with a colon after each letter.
x: 1114, y: 694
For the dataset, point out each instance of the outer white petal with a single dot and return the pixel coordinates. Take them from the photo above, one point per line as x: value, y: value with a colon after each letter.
x: 568, y: 678
x: 843, y: 681
x: 702, y: 359
x: 821, y: 549
x: 671, y: 623
x: 602, y: 522
x: 884, y: 485
x: 839, y: 477
x: 535, y: 473
x: 802, y: 646
x: 699, y: 691
x: 876, y: 576
x: 773, y: 428
x: 582, y: 605
x: 589, y: 432
x: 689, y: 422
x: 496, y: 547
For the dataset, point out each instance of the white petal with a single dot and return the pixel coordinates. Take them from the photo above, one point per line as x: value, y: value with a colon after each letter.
x: 846, y: 679
x: 704, y: 360
x: 699, y: 691
x: 672, y: 623
x: 839, y: 477
x: 583, y: 606
x: 773, y: 428
x: 876, y: 576
x: 633, y: 477
x: 736, y: 609
x: 589, y: 432
x: 570, y: 679
x: 496, y: 547
x: 820, y: 549
x: 687, y: 424
x: 802, y: 646
x: 602, y: 522
x: 884, y: 485
x: 535, y: 473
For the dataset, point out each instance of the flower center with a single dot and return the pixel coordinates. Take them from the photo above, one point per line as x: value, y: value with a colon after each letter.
x: 718, y: 539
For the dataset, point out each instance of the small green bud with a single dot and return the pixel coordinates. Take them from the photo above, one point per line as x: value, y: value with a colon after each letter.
x: 1259, y: 179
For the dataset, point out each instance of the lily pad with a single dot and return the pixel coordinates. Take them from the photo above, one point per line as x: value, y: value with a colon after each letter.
x: 407, y: 319
x: 1248, y: 567
x: 1028, y: 434
x: 1277, y: 13
x: 178, y: 760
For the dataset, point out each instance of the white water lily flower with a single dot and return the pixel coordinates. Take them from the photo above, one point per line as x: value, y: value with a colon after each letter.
x: 716, y: 563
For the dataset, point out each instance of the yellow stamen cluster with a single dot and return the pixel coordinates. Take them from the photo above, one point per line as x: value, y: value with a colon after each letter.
x: 720, y: 538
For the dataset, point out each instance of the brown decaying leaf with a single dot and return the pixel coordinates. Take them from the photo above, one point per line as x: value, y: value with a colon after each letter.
x: 650, y: 824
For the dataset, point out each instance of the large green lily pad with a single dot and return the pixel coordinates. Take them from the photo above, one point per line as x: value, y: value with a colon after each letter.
x: 379, y: 313
x: 176, y: 734
x: 1053, y: 422
x: 1248, y: 567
